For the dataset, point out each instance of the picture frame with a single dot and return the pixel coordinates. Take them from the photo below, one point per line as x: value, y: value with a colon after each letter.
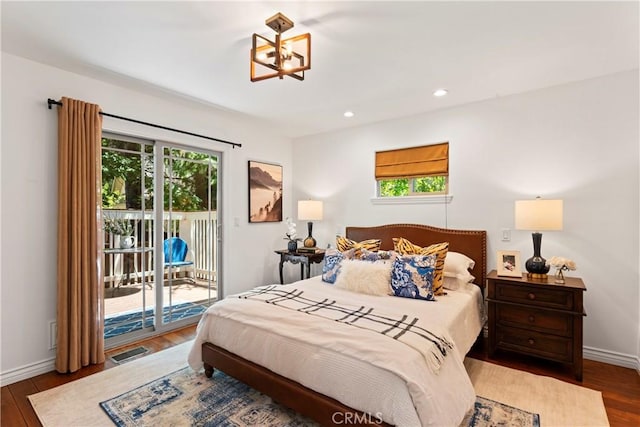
x: 509, y: 264
x: 265, y: 191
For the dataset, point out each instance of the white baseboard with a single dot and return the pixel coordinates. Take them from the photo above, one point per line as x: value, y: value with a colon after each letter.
x: 27, y: 371
x: 612, y: 358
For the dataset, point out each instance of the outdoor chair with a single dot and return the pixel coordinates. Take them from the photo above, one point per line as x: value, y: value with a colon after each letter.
x: 175, y: 258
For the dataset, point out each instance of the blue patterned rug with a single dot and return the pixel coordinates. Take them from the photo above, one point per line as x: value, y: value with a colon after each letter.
x: 187, y: 398
x: 124, y: 323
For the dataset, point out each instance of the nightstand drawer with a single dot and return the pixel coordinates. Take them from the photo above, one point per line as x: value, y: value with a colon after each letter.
x: 534, y: 343
x: 538, y: 295
x: 535, y: 319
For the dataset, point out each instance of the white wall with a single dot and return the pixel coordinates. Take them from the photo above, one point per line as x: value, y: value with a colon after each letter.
x: 29, y: 186
x: 576, y: 142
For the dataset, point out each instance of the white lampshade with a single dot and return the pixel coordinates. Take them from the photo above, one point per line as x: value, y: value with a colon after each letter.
x: 538, y: 215
x: 310, y: 210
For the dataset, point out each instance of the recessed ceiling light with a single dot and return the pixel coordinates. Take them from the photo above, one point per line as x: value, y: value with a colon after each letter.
x: 348, y: 114
x: 440, y: 92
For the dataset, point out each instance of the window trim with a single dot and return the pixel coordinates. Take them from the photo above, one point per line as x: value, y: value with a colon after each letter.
x: 424, y: 199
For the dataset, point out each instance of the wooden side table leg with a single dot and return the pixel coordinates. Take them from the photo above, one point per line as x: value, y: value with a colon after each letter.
x: 302, y: 271
x: 280, y: 268
x: 308, y: 269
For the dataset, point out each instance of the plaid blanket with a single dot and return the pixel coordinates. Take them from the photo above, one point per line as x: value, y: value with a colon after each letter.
x: 400, y: 327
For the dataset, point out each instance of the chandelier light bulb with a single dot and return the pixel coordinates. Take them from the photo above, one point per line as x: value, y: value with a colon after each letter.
x: 440, y: 92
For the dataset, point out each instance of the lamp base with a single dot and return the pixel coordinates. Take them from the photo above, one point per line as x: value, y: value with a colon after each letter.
x: 536, y: 265
x: 537, y: 276
x: 309, y: 242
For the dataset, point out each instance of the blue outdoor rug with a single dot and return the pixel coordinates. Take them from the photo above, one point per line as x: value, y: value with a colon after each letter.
x: 124, y: 323
x: 187, y: 398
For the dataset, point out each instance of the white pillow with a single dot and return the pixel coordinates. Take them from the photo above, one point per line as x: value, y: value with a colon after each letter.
x: 455, y: 284
x: 372, y: 278
x: 456, y: 270
x: 458, y: 263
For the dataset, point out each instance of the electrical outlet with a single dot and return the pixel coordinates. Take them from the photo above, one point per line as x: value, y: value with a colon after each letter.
x: 506, y: 235
x: 53, y: 334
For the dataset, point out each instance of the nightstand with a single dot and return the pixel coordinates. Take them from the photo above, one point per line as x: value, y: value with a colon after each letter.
x: 303, y: 258
x: 537, y: 317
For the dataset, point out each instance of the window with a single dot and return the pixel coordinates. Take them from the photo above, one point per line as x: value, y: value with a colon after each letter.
x: 414, y: 171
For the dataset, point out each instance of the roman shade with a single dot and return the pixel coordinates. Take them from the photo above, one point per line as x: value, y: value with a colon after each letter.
x: 413, y: 162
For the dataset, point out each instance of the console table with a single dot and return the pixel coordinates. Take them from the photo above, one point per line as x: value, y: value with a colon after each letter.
x: 304, y: 259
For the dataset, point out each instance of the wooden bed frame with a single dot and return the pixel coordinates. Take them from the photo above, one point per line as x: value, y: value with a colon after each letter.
x: 314, y: 405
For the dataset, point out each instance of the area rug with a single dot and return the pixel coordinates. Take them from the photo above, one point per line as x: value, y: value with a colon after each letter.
x: 129, y: 322
x: 188, y: 398
x: 557, y: 403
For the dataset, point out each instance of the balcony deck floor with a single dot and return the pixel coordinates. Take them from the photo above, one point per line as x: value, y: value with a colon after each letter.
x: 127, y: 299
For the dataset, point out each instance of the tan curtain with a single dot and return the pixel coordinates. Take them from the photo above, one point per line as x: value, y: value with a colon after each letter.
x: 413, y: 162
x: 80, y: 339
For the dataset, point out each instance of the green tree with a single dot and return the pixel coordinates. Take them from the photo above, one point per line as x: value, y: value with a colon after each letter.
x: 401, y: 187
x: 394, y: 187
x: 186, y: 177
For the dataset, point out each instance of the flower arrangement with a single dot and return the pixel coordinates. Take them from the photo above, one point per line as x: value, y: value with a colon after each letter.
x: 291, y: 231
x: 119, y: 226
x: 561, y: 264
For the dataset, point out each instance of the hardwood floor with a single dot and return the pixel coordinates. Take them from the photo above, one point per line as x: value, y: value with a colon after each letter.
x: 16, y: 409
x: 620, y: 387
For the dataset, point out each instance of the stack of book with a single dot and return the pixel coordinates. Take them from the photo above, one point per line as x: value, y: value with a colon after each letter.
x: 305, y: 250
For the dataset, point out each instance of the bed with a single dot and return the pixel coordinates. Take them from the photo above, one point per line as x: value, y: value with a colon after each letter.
x: 326, y: 370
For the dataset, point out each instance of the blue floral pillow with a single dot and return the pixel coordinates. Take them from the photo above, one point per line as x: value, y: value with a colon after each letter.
x: 412, y: 276
x: 367, y: 255
x: 331, y: 266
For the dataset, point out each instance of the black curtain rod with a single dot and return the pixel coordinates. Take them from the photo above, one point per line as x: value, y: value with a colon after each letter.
x: 51, y: 102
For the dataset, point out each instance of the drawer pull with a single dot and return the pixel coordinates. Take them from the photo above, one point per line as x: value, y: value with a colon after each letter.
x: 531, y: 296
x: 532, y: 318
x: 532, y: 341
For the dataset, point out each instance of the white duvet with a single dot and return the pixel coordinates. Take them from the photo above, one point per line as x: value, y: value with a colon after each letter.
x: 361, y: 368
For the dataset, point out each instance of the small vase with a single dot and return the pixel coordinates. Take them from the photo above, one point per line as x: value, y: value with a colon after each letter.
x: 127, y: 242
x: 559, y: 276
x: 292, y: 246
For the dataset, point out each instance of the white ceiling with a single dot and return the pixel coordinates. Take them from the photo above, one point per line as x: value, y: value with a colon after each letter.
x: 380, y: 59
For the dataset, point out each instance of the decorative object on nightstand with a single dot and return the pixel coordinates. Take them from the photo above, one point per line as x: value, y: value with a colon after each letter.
x: 509, y: 264
x: 561, y: 264
x: 310, y: 210
x: 538, y: 215
x: 292, y: 237
x: 537, y: 317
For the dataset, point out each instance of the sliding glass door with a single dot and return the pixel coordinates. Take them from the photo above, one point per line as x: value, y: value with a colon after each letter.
x: 160, y: 210
x: 189, y: 231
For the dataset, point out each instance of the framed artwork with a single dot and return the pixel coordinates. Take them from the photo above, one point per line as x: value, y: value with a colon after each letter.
x: 265, y: 192
x: 509, y: 264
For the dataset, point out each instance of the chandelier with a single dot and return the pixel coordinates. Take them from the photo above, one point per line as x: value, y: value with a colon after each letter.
x: 284, y: 57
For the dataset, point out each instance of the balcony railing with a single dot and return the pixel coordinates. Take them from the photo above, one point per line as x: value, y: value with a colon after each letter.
x: 198, y: 229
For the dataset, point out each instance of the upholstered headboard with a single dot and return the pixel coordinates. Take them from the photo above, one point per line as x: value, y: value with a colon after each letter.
x: 472, y: 243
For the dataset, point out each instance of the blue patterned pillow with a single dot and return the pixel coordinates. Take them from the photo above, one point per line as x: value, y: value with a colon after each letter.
x: 412, y: 276
x: 367, y: 255
x: 331, y: 266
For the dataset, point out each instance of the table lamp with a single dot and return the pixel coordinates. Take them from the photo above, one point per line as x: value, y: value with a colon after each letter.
x: 538, y: 215
x: 310, y: 210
